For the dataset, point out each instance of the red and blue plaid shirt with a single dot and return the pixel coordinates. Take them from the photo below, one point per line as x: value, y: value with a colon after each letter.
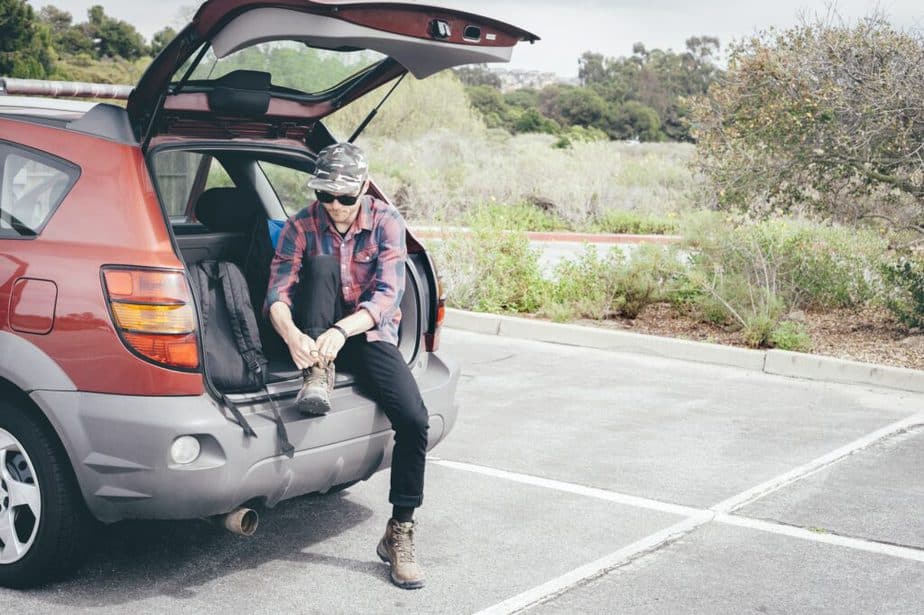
x: 372, y: 255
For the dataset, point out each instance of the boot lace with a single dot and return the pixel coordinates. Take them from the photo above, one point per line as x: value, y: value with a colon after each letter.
x: 326, y: 375
x: 403, y: 542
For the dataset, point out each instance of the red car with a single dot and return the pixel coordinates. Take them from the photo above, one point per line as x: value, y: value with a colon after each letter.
x: 107, y: 410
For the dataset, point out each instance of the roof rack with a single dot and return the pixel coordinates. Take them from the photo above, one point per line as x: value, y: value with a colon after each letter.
x: 68, y: 89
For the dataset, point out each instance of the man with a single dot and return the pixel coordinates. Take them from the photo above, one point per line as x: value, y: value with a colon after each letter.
x: 346, y: 255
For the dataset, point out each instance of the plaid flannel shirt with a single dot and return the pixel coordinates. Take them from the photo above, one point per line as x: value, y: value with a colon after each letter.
x: 372, y: 261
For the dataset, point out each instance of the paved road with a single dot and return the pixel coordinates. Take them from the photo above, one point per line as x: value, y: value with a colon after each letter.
x: 579, y: 481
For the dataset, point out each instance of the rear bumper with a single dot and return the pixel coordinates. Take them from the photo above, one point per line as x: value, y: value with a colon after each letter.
x: 119, y: 448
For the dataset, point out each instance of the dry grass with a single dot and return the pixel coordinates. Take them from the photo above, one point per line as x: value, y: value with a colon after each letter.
x: 437, y: 176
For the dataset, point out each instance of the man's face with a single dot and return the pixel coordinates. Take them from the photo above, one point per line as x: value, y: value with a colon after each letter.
x: 339, y: 212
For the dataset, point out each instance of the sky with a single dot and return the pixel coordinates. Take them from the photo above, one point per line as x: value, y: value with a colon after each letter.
x: 570, y: 27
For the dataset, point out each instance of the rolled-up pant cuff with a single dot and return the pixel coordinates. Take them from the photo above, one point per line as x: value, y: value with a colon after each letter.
x: 405, y: 501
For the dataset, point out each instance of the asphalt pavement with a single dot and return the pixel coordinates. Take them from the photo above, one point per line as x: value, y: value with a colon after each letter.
x: 578, y: 480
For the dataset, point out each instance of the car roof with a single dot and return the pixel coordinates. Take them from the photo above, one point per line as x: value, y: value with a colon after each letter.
x: 98, y: 119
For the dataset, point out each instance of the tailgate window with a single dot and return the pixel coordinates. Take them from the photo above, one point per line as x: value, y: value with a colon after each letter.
x: 291, y: 64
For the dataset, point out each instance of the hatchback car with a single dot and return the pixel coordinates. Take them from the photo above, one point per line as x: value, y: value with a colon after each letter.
x: 107, y: 410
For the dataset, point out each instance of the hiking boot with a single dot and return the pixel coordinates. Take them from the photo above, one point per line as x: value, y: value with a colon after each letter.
x: 397, y: 549
x: 314, y: 396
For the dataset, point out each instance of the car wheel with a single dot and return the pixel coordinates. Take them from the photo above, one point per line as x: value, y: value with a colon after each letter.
x: 44, y: 524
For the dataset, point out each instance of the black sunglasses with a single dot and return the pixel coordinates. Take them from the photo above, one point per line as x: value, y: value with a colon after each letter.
x: 327, y: 197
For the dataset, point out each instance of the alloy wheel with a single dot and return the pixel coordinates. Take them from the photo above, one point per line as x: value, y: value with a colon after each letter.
x: 20, y: 500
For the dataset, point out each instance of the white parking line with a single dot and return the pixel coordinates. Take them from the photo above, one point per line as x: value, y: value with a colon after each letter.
x: 687, y: 511
x: 774, y: 484
x: 829, y: 539
x: 591, y: 492
x: 585, y: 573
x: 695, y: 518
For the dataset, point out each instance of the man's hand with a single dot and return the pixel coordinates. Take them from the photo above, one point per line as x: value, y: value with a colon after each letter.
x: 303, y: 349
x: 330, y: 343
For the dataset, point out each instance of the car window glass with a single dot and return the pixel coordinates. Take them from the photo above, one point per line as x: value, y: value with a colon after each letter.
x: 33, y: 185
x: 290, y: 186
x: 292, y: 65
x: 182, y: 176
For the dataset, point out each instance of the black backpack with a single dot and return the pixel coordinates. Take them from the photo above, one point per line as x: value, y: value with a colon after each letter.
x: 234, y: 358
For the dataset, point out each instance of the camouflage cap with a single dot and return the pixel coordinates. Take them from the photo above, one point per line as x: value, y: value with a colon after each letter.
x: 340, y: 169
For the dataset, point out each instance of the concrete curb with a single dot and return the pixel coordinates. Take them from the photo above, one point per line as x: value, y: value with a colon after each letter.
x: 778, y: 362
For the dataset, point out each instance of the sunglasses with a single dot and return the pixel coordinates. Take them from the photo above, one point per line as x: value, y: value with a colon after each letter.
x: 327, y: 197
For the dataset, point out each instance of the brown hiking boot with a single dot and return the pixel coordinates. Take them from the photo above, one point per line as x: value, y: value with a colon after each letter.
x: 397, y: 548
x: 314, y: 397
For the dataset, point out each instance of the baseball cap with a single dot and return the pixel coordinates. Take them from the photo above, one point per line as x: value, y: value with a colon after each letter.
x: 340, y: 168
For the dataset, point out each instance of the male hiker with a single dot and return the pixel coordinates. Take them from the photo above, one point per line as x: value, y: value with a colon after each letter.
x: 335, y: 288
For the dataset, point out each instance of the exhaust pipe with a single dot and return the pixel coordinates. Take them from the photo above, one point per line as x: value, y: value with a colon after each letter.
x: 241, y: 521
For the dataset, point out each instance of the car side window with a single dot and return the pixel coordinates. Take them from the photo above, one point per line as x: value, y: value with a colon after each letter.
x: 182, y: 176
x: 290, y: 186
x: 32, y: 185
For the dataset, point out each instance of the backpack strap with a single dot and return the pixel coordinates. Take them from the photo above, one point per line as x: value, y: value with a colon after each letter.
x: 205, y: 275
x: 201, y: 288
x: 235, y: 298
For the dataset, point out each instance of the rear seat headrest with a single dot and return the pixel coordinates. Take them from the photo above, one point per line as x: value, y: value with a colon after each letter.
x: 226, y: 210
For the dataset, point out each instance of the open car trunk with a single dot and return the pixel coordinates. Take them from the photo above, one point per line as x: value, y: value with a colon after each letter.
x: 223, y: 201
x: 235, y: 102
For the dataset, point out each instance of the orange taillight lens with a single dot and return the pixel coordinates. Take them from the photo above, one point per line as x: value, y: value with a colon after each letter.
x: 142, y: 318
x: 153, y: 311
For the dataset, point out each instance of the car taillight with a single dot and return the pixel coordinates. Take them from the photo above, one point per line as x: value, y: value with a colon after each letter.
x: 433, y: 339
x: 153, y: 312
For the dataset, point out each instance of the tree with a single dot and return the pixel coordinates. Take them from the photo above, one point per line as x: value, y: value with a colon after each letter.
x: 824, y: 116
x: 531, y: 120
x: 114, y: 37
x: 26, y: 48
x: 659, y: 80
x: 478, y: 75
x: 160, y: 39
x: 67, y: 37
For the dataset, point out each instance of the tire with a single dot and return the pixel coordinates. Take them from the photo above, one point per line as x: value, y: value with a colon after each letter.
x: 44, y: 523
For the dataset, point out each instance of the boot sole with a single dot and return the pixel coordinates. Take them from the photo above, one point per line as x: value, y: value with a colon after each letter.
x: 313, y: 407
x: 402, y: 585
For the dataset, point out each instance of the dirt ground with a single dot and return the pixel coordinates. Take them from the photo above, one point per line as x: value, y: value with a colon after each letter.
x: 868, y: 335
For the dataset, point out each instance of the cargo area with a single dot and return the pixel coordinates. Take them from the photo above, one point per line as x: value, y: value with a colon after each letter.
x: 229, y: 205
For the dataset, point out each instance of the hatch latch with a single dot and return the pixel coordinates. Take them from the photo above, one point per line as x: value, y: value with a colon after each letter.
x: 439, y: 29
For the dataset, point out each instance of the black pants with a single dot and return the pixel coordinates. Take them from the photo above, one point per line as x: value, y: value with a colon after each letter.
x: 380, y: 371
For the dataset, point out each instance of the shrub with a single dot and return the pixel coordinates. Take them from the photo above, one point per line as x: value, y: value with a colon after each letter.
x: 515, y: 217
x: 752, y: 274
x: 490, y: 270
x: 789, y: 335
x: 595, y: 286
x: 633, y: 223
x: 905, y: 292
x: 826, y: 116
x: 587, y: 286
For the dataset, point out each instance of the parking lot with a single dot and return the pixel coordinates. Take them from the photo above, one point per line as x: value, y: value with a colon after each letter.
x: 578, y: 481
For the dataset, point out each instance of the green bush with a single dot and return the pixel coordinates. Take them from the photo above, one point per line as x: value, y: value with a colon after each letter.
x: 513, y: 217
x: 789, y: 335
x: 615, y: 221
x: 594, y: 286
x: 587, y: 286
x: 752, y: 274
x: 905, y: 292
x: 490, y: 270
